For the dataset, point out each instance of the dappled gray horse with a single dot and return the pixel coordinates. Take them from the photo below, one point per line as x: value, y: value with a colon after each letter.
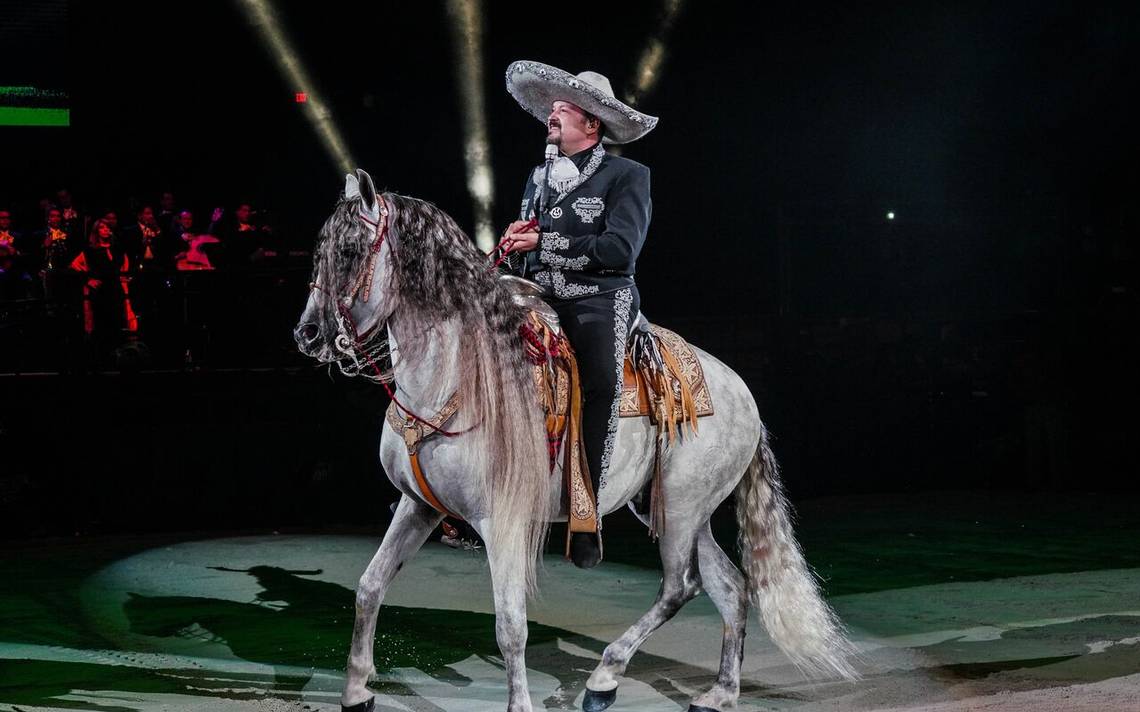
x: 400, y: 292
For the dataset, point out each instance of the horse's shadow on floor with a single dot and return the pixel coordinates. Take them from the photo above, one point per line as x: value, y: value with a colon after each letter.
x: 299, y: 622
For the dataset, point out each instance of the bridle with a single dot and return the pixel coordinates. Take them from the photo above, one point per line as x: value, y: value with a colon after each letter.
x: 349, y: 340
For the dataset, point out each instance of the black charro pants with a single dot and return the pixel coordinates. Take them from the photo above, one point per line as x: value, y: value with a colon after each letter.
x: 598, y: 327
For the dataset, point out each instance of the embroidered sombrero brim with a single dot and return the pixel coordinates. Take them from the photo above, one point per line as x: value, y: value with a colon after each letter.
x: 536, y: 86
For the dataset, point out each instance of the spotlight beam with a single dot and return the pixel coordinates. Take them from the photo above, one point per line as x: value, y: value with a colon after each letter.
x: 467, y: 37
x: 261, y: 15
x: 652, y: 59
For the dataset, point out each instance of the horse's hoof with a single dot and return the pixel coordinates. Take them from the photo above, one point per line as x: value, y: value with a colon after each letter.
x: 698, y: 708
x: 598, y: 701
x: 366, y: 706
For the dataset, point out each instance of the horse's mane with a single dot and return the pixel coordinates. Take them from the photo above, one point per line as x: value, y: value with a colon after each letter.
x: 435, y: 274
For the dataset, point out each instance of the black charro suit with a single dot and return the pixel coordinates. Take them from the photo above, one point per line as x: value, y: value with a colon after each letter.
x: 586, y: 258
x: 594, y: 232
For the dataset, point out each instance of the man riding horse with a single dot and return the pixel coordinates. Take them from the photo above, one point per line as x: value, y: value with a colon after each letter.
x: 583, y: 222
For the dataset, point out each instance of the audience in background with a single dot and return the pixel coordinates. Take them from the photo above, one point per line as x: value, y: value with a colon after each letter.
x: 34, y: 262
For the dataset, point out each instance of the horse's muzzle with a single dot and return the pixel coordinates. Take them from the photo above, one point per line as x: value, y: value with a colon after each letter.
x: 307, y: 335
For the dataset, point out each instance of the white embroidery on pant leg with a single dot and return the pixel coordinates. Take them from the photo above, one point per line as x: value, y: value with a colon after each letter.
x: 623, y: 302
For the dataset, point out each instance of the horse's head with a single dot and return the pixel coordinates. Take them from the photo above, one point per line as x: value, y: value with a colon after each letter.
x: 347, y: 306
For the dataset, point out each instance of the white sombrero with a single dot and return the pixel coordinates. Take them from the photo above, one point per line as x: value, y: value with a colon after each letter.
x: 536, y: 86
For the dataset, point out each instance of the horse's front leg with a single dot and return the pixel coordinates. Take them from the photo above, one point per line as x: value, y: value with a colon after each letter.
x: 510, y: 619
x: 410, y: 527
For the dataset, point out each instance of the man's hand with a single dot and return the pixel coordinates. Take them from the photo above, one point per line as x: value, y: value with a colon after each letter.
x: 522, y: 242
x: 520, y: 236
x: 516, y: 226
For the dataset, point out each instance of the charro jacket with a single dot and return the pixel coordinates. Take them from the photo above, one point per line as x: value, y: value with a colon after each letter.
x: 596, y: 227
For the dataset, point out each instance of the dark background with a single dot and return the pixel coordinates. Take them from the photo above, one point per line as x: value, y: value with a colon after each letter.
x: 985, y: 338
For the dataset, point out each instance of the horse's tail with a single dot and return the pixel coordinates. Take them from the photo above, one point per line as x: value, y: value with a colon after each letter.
x: 780, y: 583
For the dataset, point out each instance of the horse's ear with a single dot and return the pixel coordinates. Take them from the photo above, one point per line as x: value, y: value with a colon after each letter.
x: 367, y: 190
x: 351, y: 187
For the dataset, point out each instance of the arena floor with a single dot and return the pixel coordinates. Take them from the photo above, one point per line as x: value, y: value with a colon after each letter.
x: 958, y: 601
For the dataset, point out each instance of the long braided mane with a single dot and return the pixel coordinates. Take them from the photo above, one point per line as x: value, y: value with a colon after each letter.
x: 435, y: 274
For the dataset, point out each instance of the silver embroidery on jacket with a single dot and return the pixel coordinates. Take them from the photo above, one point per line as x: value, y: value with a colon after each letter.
x: 553, y: 259
x: 554, y: 241
x: 588, y: 209
x: 569, y: 290
x: 596, y: 157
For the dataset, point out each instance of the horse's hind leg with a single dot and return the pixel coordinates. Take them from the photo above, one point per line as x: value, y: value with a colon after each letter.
x: 410, y: 527
x: 680, y: 582
x: 725, y: 585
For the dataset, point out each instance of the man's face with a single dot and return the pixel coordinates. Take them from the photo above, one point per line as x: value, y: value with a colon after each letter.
x: 566, y: 125
x: 54, y: 218
x: 242, y: 213
x: 146, y: 215
x: 186, y: 219
x: 5, y: 220
x: 167, y: 201
x: 111, y: 219
x: 63, y: 197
